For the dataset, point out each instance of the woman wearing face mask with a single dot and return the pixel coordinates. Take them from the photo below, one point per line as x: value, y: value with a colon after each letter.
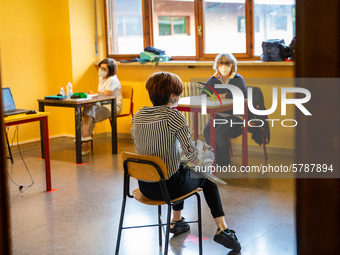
x: 109, y: 85
x: 225, y: 66
x: 158, y: 130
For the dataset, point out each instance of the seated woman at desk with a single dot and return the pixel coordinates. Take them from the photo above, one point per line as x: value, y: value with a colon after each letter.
x: 225, y: 66
x: 109, y: 85
x: 158, y: 131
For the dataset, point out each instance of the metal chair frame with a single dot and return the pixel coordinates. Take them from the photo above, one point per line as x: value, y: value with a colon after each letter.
x: 263, y: 143
x: 167, y: 201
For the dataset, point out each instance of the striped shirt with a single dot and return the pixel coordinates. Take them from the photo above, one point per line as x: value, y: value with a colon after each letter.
x: 158, y: 131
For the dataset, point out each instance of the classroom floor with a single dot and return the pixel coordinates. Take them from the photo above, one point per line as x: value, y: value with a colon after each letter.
x: 82, y: 215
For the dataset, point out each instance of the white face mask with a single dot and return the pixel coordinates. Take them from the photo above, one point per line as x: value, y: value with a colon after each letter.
x: 224, y: 70
x: 102, y: 73
x: 176, y: 103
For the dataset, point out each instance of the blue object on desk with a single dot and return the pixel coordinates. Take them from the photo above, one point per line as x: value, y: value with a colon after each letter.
x: 57, y: 97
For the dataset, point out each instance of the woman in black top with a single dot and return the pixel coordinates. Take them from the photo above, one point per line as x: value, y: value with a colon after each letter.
x: 225, y: 66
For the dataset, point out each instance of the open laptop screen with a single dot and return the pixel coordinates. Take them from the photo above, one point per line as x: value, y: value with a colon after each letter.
x: 7, y: 100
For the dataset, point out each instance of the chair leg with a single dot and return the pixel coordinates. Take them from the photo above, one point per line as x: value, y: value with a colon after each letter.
x: 92, y: 144
x: 199, y: 217
x: 120, y: 225
x: 230, y: 148
x: 160, y: 226
x: 167, y: 231
x: 264, y: 145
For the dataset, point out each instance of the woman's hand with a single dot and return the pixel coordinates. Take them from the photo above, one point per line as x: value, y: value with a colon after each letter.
x: 196, y: 162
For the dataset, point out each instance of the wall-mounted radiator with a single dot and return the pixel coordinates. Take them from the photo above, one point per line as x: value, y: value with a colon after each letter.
x: 190, y: 89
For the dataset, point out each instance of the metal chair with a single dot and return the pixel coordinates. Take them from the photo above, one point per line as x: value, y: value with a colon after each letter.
x: 263, y: 142
x: 151, y: 168
x: 127, y: 93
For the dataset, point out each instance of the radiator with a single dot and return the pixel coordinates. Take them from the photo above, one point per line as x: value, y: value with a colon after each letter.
x: 190, y: 89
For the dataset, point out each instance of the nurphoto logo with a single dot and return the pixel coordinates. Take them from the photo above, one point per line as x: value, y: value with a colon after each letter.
x: 238, y: 103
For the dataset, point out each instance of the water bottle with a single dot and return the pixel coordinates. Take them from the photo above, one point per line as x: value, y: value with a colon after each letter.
x: 69, y: 90
x: 62, y: 91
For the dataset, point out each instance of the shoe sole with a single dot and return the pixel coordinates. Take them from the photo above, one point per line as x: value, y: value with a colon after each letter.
x: 226, y: 243
x: 179, y: 231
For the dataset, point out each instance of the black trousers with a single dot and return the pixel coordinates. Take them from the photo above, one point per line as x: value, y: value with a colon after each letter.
x: 180, y: 184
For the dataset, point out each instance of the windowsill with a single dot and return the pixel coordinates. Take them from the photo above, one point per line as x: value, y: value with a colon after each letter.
x: 206, y: 63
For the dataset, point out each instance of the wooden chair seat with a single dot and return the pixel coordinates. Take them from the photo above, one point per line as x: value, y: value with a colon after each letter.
x: 137, y: 194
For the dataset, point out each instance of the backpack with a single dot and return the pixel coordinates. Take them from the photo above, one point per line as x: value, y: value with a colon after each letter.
x: 271, y: 50
x: 288, y: 51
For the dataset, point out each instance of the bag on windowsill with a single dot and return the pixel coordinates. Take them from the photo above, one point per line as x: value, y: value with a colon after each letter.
x: 271, y: 50
x: 151, y: 54
x: 147, y: 56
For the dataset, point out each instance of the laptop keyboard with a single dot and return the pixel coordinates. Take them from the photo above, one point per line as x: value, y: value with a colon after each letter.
x: 17, y: 111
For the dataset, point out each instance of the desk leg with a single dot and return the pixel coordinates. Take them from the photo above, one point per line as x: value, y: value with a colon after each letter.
x: 45, y: 137
x: 9, y: 148
x: 195, y: 126
x: 42, y: 109
x: 77, y: 112
x: 213, y: 136
x: 245, y: 137
x: 114, y: 126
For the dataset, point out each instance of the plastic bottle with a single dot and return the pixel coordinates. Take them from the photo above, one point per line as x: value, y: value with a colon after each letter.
x: 62, y: 91
x: 69, y: 90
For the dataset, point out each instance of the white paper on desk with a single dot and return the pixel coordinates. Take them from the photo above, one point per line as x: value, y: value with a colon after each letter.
x: 90, y: 96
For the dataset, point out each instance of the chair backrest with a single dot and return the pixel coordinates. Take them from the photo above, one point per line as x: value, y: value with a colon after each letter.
x: 127, y: 93
x: 144, y: 167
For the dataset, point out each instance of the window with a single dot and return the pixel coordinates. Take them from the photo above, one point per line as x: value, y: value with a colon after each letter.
x: 197, y: 29
x: 241, y: 21
x: 173, y: 30
x: 172, y: 25
x: 275, y: 20
x: 124, y: 27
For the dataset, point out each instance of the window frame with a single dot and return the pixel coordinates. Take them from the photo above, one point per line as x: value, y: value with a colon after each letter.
x: 199, y: 37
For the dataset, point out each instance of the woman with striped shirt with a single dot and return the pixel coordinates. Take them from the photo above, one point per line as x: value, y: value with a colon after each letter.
x: 158, y: 131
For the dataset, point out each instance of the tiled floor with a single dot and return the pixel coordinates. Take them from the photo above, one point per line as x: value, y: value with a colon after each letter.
x: 82, y: 216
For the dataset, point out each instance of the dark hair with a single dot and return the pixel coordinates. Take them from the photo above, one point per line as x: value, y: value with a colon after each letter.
x: 161, y: 85
x: 111, y: 65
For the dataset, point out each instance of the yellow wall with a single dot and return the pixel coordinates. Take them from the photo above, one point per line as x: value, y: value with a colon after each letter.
x: 46, y: 44
x: 35, y: 54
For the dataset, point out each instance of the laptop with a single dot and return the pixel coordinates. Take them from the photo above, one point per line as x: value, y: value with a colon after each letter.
x: 9, y: 105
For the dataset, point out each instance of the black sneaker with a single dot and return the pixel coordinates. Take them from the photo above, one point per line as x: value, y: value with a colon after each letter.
x: 179, y: 227
x: 228, y: 239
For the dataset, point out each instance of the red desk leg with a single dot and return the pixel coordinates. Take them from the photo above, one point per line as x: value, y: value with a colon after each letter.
x: 245, y: 137
x: 213, y: 135
x: 195, y: 126
x: 47, y: 154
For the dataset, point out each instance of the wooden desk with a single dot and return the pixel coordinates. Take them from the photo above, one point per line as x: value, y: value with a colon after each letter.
x: 77, y: 105
x: 193, y: 104
x: 43, y: 118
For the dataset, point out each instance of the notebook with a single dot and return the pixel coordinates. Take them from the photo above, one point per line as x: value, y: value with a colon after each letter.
x: 8, y: 103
